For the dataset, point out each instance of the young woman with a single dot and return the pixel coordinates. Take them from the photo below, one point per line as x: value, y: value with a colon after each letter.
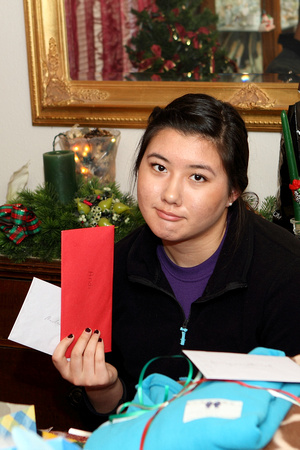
x: 203, y: 273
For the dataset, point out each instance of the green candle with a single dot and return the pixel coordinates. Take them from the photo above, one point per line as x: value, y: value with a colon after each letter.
x: 59, y: 170
x: 291, y: 160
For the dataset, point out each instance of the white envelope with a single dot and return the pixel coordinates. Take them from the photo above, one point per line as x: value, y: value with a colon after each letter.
x: 38, y: 323
x: 239, y: 366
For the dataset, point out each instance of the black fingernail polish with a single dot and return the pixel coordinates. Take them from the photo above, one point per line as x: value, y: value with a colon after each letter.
x: 70, y: 336
x: 100, y: 340
x: 88, y: 330
x: 96, y: 331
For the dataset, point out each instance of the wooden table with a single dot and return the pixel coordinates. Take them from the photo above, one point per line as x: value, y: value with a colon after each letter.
x: 28, y: 376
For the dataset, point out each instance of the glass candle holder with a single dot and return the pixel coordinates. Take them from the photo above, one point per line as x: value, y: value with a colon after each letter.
x: 296, y: 227
x: 95, y: 156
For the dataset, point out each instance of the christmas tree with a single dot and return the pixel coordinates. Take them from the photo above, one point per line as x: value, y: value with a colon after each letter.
x: 177, y: 40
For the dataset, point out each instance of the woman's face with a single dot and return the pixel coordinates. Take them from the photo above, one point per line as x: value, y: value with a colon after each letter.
x: 183, y: 188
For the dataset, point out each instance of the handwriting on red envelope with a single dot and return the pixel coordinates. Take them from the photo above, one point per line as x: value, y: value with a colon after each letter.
x: 86, y: 282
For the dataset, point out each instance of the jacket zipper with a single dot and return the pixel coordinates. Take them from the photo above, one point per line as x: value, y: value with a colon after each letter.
x: 183, y: 333
x: 183, y: 330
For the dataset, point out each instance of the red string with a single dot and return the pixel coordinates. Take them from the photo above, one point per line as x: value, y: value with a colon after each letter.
x: 197, y: 383
x: 147, y: 426
x: 289, y: 394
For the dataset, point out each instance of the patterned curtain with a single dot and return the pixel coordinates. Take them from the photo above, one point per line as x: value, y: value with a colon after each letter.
x: 97, y: 31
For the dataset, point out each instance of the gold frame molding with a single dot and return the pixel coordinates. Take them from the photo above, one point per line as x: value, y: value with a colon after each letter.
x: 58, y: 100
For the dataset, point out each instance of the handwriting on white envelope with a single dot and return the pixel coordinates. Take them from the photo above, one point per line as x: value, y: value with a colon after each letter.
x: 38, y: 323
x: 237, y: 366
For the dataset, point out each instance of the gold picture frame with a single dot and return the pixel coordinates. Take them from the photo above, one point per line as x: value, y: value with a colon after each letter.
x: 58, y: 100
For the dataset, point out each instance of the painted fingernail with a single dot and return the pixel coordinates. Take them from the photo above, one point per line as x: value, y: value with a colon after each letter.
x: 88, y: 330
x: 70, y: 336
x: 100, y: 340
x: 96, y: 331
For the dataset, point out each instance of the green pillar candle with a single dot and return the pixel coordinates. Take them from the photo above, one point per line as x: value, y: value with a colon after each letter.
x: 59, y: 170
x: 291, y: 160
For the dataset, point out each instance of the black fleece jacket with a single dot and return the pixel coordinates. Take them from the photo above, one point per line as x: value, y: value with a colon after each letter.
x: 252, y: 299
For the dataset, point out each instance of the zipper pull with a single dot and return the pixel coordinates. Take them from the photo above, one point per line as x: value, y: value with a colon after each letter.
x: 183, y: 333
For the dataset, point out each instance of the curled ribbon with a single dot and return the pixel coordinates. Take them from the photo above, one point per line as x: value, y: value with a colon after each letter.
x: 17, y: 222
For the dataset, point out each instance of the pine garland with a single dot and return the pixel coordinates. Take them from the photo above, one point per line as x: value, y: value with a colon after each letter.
x: 268, y: 207
x: 55, y: 217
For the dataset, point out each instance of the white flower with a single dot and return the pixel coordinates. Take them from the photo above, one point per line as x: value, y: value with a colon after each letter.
x: 96, y: 210
x: 74, y: 132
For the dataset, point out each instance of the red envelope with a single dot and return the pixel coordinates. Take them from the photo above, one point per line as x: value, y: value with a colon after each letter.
x: 86, y: 282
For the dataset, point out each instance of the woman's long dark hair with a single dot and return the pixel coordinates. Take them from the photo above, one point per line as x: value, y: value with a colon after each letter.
x: 212, y: 119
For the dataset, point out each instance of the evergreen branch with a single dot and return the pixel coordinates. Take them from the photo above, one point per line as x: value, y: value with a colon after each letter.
x: 55, y: 217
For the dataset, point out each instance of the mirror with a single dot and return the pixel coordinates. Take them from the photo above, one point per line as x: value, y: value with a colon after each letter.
x: 58, y: 100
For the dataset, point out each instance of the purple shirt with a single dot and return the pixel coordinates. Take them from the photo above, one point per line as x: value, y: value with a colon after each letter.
x: 188, y: 283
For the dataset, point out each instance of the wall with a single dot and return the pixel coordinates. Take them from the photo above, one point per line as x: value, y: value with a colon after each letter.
x: 22, y: 143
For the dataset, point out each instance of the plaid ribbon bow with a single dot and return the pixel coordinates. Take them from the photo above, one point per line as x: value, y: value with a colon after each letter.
x: 17, y: 222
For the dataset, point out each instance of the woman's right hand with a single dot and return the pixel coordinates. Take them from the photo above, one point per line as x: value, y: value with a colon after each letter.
x: 87, y: 367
